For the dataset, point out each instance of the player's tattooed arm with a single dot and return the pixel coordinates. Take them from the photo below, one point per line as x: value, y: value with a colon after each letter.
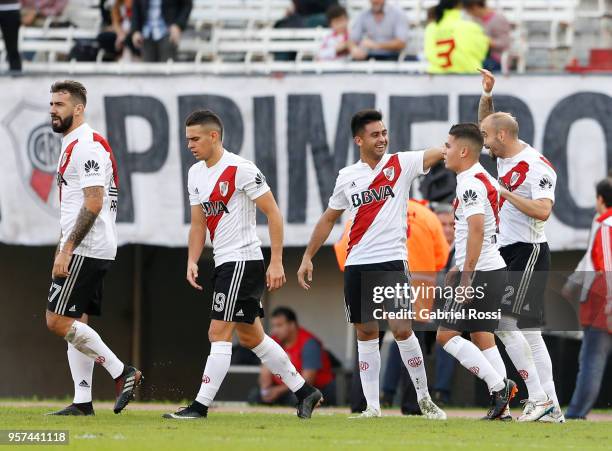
x: 485, y: 106
x: 93, y: 198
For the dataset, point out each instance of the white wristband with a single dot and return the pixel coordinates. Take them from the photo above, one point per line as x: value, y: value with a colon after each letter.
x: 487, y: 94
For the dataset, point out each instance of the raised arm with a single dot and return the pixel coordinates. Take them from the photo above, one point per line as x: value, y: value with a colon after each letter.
x: 318, y: 237
x: 432, y: 157
x: 485, y: 106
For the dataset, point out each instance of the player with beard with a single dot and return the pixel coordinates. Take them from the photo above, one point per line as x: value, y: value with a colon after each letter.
x: 88, y: 189
x: 527, y: 192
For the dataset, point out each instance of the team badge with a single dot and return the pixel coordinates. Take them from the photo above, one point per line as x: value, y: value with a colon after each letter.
x: 389, y: 173
x: 223, y: 187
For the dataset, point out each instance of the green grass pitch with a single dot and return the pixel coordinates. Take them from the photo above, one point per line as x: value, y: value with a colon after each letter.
x: 146, y: 430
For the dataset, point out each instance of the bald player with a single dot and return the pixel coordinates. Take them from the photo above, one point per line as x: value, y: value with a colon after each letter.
x: 527, y: 181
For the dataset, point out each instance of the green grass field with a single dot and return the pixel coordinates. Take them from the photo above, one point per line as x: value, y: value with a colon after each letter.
x: 146, y: 430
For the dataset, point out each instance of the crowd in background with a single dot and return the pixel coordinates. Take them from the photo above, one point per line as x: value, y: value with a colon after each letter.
x: 461, y: 35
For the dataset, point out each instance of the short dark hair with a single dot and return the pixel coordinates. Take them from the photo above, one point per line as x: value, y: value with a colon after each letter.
x: 204, y: 117
x: 468, y: 3
x: 72, y: 87
x: 334, y: 12
x: 469, y: 131
x: 288, y: 313
x: 363, y: 118
x: 604, y: 189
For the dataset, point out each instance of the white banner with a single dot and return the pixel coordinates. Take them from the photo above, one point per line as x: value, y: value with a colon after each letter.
x: 297, y: 130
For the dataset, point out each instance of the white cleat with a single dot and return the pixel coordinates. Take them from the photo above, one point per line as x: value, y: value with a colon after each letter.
x: 534, y: 410
x: 370, y: 412
x: 430, y: 410
x: 556, y: 416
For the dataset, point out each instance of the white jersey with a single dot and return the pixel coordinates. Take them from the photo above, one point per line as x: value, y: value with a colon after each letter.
x: 529, y: 175
x: 226, y: 192
x: 87, y: 160
x: 378, y: 200
x: 477, y: 194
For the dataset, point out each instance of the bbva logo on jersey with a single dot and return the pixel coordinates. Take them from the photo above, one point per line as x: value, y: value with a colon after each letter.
x: 214, y: 208
x: 372, y: 195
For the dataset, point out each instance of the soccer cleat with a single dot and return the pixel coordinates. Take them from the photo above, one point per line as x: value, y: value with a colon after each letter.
x: 505, y: 415
x: 555, y: 416
x: 370, y: 412
x: 308, y: 404
x: 534, y: 410
x: 187, y: 413
x: 75, y: 411
x: 500, y: 400
x: 430, y: 410
x: 125, y: 385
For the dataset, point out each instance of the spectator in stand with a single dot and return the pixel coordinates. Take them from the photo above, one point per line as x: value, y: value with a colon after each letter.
x: 117, y: 37
x: 593, y: 280
x: 452, y: 43
x: 335, y: 44
x: 10, y: 21
x: 496, y: 27
x: 157, y: 26
x: 306, y: 14
x: 379, y: 33
x: 307, y: 354
x: 35, y: 12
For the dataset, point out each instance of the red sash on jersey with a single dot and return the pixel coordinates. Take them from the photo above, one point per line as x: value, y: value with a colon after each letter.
x: 367, y: 213
x: 100, y: 139
x: 222, y: 192
x: 66, y: 157
x: 492, y: 195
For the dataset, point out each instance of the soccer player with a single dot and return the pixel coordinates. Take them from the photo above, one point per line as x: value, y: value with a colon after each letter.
x: 88, y: 187
x: 527, y: 192
x: 224, y: 192
x: 479, y: 266
x: 375, y: 190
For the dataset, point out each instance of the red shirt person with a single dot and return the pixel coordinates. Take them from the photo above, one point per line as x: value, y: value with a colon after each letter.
x: 307, y: 354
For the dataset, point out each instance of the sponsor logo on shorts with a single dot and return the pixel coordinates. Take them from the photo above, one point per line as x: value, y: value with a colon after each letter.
x: 524, y: 374
x: 100, y: 360
x: 363, y: 366
x: 415, y: 362
x: 475, y: 370
x: 206, y: 379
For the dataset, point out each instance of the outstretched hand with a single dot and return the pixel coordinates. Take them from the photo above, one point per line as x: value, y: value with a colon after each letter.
x: 488, y: 80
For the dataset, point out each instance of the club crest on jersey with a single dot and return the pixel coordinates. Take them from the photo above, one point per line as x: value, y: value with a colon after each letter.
x: 214, y: 208
x: 223, y: 188
x: 380, y: 194
x: 389, y: 173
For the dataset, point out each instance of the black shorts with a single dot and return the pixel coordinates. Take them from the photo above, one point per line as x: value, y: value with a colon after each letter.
x: 81, y: 292
x: 482, y: 313
x: 362, y: 304
x: 528, y: 266
x: 239, y: 287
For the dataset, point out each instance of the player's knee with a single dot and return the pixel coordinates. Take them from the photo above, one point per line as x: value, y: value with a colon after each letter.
x: 401, y: 334
x: 248, y: 341
x: 442, y: 337
x: 55, y: 325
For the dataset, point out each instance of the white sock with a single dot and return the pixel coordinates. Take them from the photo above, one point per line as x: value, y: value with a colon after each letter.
x: 276, y: 360
x: 496, y: 361
x: 412, y: 356
x: 473, y: 359
x: 369, y: 371
x: 87, y: 340
x: 217, y: 364
x: 81, y: 368
x: 543, y: 363
x: 520, y: 353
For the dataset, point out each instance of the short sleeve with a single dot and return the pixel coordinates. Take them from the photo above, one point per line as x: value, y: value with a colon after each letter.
x: 250, y: 180
x: 194, y: 196
x: 338, y: 199
x: 400, y: 30
x: 412, y: 164
x: 472, y: 199
x: 91, y: 164
x: 543, y: 180
x: 311, y: 355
